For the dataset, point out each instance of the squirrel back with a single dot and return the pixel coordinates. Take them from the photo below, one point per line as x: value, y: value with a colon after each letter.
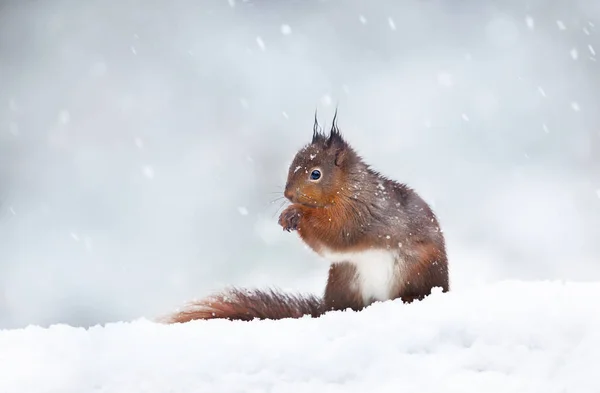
x: 382, y: 239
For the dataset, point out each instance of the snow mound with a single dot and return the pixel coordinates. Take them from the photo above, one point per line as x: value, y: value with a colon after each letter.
x: 507, y: 337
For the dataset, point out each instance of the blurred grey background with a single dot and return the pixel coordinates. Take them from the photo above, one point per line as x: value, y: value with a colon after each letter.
x: 142, y: 142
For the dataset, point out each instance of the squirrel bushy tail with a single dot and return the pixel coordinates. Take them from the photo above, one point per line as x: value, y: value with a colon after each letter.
x: 248, y: 304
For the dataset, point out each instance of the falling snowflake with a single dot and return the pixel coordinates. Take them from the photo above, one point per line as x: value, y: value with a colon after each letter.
x: 530, y: 23
x: 286, y: 30
x: 445, y: 79
x: 326, y: 100
x: 542, y: 92
x: 392, y: 24
x: 574, y: 53
x: 148, y: 172
x: 261, y: 43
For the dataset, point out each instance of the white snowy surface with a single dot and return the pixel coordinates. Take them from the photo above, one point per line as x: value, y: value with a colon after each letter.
x: 507, y: 337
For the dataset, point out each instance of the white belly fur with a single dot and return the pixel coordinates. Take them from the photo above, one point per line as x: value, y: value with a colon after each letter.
x: 378, y: 271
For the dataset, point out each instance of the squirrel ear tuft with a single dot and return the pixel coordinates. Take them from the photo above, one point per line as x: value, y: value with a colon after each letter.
x: 336, y: 142
x: 335, y: 136
x: 318, y: 135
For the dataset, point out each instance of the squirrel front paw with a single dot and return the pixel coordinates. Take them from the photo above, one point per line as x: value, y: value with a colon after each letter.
x: 290, y: 218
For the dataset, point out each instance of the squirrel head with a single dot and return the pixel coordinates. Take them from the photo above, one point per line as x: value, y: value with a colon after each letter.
x: 320, y: 169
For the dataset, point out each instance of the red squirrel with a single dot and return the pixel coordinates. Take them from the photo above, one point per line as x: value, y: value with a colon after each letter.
x: 382, y: 239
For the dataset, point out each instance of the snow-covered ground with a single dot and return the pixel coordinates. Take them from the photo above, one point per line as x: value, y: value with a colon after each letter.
x: 511, y: 336
x: 143, y: 147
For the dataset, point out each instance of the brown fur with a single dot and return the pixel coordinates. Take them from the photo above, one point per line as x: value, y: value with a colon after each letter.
x: 339, y: 293
x: 247, y: 305
x: 350, y: 208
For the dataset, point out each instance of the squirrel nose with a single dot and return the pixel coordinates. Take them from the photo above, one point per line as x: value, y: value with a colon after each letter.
x: 288, y: 193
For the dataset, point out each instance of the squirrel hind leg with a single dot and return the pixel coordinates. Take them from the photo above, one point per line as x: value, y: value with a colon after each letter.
x: 426, y: 269
x: 342, y: 291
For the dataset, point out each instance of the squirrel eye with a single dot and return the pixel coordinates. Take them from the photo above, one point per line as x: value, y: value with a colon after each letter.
x: 315, y: 175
